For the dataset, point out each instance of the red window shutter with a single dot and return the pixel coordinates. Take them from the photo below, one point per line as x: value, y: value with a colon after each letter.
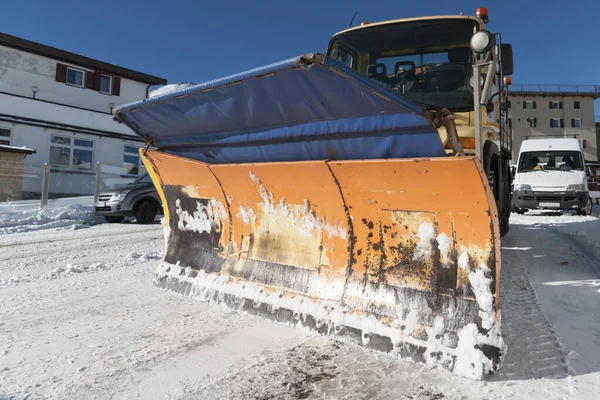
x: 61, y: 73
x: 97, y: 75
x: 89, y: 80
x: 116, y: 89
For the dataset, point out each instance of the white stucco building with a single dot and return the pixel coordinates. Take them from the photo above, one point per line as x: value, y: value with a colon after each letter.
x: 59, y: 104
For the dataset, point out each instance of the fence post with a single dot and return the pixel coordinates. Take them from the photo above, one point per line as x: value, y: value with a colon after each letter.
x: 45, y: 186
x: 98, y: 181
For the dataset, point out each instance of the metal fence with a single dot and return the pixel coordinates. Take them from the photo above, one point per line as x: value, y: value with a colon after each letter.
x: 593, y: 90
x: 28, y: 183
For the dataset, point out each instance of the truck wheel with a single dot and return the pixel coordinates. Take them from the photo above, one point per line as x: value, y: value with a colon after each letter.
x: 145, y: 212
x: 504, y: 224
x: 587, y: 210
x: 114, y: 220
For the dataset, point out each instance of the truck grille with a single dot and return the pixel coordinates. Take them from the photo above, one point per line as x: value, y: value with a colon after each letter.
x: 104, y: 197
x: 549, y: 198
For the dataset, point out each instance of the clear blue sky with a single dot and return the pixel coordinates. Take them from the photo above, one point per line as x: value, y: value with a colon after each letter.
x: 195, y: 41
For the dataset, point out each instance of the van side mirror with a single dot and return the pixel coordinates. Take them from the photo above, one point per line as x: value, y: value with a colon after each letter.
x: 507, y: 59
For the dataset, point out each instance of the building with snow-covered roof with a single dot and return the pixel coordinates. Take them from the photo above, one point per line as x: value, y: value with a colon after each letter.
x: 60, y: 103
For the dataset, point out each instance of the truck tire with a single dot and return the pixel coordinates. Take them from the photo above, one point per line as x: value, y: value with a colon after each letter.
x: 114, y: 220
x: 145, y: 211
x: 587, y: 210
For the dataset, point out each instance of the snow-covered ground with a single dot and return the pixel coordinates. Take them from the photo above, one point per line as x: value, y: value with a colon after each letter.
x: 80, y: 318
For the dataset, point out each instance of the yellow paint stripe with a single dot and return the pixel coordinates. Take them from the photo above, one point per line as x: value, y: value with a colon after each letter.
x: 157, y: 183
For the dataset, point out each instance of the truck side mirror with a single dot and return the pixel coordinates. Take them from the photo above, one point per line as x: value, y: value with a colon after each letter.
x: 507, y: 59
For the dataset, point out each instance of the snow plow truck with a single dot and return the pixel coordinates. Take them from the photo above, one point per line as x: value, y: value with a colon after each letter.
x: 361, y: 192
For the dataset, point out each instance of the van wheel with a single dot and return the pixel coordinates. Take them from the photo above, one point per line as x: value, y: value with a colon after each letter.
x: 145, y: 212
x: 114, y: 220
x: 587, y: 210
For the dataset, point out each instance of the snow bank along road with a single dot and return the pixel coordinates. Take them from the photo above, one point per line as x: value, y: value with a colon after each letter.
x: 80, y: 319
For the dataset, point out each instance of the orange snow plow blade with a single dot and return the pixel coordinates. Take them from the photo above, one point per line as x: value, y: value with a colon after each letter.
x: 402, y: 255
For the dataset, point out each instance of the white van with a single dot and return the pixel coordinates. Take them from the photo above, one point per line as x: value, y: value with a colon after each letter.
x: 551, y: 174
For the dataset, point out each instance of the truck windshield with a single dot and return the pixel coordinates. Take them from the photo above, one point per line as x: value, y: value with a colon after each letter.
x: 550, y: 161
x: 428, y: 61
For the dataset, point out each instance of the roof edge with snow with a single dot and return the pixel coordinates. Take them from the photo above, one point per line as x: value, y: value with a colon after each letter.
x: 14, y: 149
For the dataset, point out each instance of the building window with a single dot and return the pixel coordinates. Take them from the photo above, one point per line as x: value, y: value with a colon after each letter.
x: 556, y: 123
x: 72, y: 153
x: 531, y: 122
x: 105, y: 84
x: 75, y: 77
x: 131, y: 160
x: 5, y: 136
x: 528, y: 104
x: 576, y: 123
x: 556, y: 105
x: 577, y: 105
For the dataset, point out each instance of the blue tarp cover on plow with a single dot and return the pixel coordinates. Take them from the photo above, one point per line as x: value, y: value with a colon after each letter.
x: 305, y: 108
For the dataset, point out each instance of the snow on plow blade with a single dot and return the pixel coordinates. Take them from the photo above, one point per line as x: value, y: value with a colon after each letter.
x: 396, y: 253
x: 306, y: 193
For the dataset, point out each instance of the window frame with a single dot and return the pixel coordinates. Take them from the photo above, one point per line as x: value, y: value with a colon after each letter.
x: 574, y: 123
x: 349, y: 51
x: 576, y: 105
x: 6, y: 138
x: 531, y: 119
x: 131, y: 154
x: 552, y: 120
x: 110, y: 84
x: 532, y: 102
x: 72, y: 147
x: 556, y: 103
x: 82, y: 86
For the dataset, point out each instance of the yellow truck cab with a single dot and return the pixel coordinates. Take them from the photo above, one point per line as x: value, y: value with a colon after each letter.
x: 434, y: 61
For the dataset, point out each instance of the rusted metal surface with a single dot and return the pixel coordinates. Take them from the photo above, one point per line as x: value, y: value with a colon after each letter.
x: 396, y: 223
x: 380, y: 238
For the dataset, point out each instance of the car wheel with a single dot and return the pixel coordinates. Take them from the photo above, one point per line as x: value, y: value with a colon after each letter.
x: 145, y: 212
x: 114, y: 220
x: 587, y: 210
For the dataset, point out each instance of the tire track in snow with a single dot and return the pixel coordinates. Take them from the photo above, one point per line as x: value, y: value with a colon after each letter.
x: 592, y: 260
x: 534, y: 351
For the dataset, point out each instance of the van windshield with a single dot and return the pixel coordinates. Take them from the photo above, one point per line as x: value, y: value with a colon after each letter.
x: 550, y: 161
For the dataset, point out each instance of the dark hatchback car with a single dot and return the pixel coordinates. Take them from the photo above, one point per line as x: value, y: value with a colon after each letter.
x: 137, y: 199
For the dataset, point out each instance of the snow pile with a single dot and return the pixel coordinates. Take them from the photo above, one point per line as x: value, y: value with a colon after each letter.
x: 73, y: 216
x: 129, y: 260
x: 303, y: 218
x: 170, y: 89
x: 199, y: 221
x: 444, y: 245
x: 424, y: 247
x: 481, y: 287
